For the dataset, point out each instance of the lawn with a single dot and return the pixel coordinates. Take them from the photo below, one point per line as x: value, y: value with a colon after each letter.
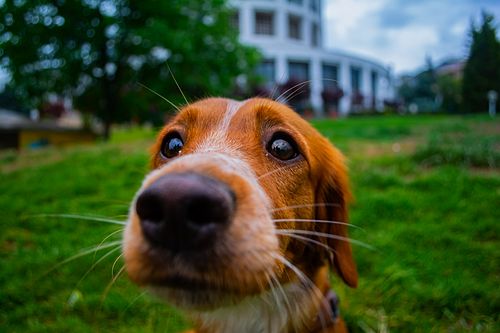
x: 427, y: 198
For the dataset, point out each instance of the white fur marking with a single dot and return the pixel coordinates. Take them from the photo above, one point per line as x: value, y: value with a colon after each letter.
x: 268, y: 312
x: 232, y: 109
x: 217, y: 139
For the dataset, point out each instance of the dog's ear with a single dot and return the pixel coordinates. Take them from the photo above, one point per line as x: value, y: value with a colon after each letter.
x: 332, y: 198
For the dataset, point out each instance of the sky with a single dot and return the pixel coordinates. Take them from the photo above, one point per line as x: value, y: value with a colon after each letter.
x: 402, y: 33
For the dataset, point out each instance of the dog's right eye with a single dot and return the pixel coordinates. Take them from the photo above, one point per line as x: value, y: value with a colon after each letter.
x: 171, y: 146
x: 282, y: 147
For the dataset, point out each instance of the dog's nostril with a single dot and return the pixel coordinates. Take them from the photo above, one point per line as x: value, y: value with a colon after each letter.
x: 211, y: 209
x: 185, y: 211
x: 149, y: 207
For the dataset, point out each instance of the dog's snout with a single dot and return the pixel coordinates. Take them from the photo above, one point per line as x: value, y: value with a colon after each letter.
x: 185, y: 212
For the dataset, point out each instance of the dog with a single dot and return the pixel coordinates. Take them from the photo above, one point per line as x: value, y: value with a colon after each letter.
x: 241, y: 219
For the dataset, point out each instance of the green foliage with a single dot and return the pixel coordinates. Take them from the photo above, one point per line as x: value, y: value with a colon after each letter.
x: 482, y: 70
x: 435, y: 230
x: 9, y: 101
x: 450, y: 90
x: 97, y: 50
x: 426, y: 83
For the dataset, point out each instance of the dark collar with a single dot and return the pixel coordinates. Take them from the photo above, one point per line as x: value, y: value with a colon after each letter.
x: 329, y: 312
x: 333, y: 301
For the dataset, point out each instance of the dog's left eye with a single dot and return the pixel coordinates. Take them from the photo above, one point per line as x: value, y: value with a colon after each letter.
x: 171, y: 146
x: 282, y: 147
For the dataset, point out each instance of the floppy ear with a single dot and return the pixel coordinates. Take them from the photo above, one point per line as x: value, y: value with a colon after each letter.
x: 332, y: 189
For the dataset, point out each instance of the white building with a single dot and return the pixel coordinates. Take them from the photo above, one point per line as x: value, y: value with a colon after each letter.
x: 289, y: 34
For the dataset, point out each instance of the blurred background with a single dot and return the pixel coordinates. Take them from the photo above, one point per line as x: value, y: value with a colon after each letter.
x: 407, y: 90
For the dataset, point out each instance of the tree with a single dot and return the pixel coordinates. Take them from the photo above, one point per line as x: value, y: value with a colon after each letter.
x: 96, y: 51
x: 9, y: 101
x: 482, y: 70
x: 426, y: 87
x: 450, y: 89
x: 421, y: 89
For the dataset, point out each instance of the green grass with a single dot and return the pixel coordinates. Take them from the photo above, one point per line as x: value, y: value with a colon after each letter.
x: 433, y: 219
x: 460, y: 146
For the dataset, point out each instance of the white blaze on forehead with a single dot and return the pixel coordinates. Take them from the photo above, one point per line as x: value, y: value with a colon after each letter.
x: 231, y: 110
x: 217, y: 139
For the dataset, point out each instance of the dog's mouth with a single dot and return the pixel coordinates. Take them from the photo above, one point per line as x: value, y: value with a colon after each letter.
x: 199, y: 295
x: 187, y: 284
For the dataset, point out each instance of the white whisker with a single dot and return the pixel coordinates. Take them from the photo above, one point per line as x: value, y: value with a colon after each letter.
x: 177, y: 84
x: 336, y: 237
x: 305, y: 239
x: 326, y: 204
x: 162, y: 97
x: 135, y: 300
x: 114, y: 264
x: 97, y: 263
x: 294, y: 88
x: 276, y: 87
x: 293, y: 94
x: 83, y: 217
x: 274, y: 171
x: 305, y: 281
x: 111, y: 283
x: 106, y: 238
x: 318, y: 221
x: 288, y: 305
x: 83, y: 253
x: 277, y: 302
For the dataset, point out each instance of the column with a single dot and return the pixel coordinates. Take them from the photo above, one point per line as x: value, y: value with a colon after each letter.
x: 281, y: 24
x: 345, y: 84
x: 247, y: 21
x: 281, y: 69
x: 366, y: 90
x: 316, y: 86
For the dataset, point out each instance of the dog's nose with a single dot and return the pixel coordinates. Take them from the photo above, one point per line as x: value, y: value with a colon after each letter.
x: 185, y: 211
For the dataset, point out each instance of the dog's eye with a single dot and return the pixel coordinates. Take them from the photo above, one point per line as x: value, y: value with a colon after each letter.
x: 171, y: 146
x: 282, y: 147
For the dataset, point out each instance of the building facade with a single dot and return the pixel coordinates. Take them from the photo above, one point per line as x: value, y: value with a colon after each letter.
x: 289, y: 34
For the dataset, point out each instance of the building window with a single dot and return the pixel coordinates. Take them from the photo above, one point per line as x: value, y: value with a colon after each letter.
x: 332, y: 92
x: 374, y: 89
x: 374, y: 82
x: 355, y: 79
x: 264, y: 23
x: 234, y: 20
x: 298, y: 71
x: 267, y: 70
x: 314, y: 5
x: 315, y: 35
x: 294, y: 27
x: 330, y: 76
x: 297, y: 2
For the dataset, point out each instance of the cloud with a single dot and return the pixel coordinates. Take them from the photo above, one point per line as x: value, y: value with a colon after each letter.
x: 402, y: 33
x: 393, y: 17
x: 343, y: 16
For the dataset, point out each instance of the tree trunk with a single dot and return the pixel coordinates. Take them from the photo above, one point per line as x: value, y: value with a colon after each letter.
x: 107, y: 130
x: 110, y: 105
x: 109, y: 95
